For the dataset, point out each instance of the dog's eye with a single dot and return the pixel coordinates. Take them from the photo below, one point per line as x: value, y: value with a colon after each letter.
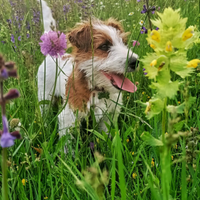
x: 105, y: 47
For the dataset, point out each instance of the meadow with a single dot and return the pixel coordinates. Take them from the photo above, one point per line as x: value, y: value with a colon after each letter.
x: 126, y: 165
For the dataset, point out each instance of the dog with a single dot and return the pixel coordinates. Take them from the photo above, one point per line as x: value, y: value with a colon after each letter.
x: 96, y: 66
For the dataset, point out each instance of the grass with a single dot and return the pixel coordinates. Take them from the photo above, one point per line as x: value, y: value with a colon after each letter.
x: 132, y: 174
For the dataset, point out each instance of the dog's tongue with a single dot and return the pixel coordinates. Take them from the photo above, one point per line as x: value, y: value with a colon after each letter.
x: 121, y: 82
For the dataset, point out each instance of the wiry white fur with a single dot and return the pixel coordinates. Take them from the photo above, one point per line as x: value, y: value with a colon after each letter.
x: 114, y: 62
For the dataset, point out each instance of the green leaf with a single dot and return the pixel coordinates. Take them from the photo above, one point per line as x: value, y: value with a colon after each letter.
x: 178, y: 64
x: 176, y: 109
x: 167, y: 90
x: 178, y: 126
x: 150, y: 140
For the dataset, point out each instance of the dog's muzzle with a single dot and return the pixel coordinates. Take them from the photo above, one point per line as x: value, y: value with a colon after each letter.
x: 132, y: 64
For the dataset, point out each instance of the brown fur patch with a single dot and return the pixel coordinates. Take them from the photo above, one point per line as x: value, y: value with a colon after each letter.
x: 77, y: 90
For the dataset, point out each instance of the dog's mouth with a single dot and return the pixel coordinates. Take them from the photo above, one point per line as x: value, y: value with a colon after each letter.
x: 120, y: 82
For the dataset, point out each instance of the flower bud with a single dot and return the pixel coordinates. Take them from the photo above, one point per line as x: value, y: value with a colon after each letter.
x: 153, y: 63
x: 12, y: 94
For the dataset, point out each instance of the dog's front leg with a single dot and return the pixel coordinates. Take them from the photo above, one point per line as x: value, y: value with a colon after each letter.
x: 66, y: 120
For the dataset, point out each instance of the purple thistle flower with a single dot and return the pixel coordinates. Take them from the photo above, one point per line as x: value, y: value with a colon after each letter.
x: 53, y: 43
x: 19, y: 38
x: 12, y: 38
x: 144, y: 9
x: 7, y: 140
x: 143, y: 30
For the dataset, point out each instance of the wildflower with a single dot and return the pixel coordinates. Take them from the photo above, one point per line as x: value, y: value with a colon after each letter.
x: 152, y: 163
x: 193, y: 63
x: 12, y: 94
x: 53, y: 43
x: 92, y: 145
x: 143, y: 30
x: 188, y: 33
x: 27, y: 35
x: 138, y: 0
x: 143, y: 92
x: 66, y: 9
x: 14, y: 122
x: 153, y: 63
x: 12, y: 38
x: 131, y: 13
x: 155, y: 35
x: 141, y: 22
x: 133, y: 153
x: 7, y: 139
x: 144, y: 9
x: 135, y: 42
x: 23, y: 182
x: 148, y: 108
x: 179, y: 102
x: 152, y: 46
x: 153, y: 9
x: 127, y: 140
x: 168, y: 46
x: 134, y: 175
x: 172, y: 157
x: 45, y: 197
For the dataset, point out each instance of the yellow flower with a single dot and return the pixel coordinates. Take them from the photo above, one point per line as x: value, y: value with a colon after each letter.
x: 193, y: 63
x: 152, y: 163
x: 172, y: 157
x: 23, y: 181
x: 134, y: 175
x: 40, y: 133
x: 179, y: 102
x: 153, y: 63
x: 148, y: 108
x: 45, y: 197
x: 143, y: 92
x: 176, y: 146
x: 148, y: 97
x: 155, y: 35
x: 166, y: 133
x: 168, y: 46
x: 127, y: 140
x: 188, y: 33
x: 152, y: 46
x: 133, y: 153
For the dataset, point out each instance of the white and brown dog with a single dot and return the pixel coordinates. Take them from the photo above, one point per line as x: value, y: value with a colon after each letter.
x: 97, y: 64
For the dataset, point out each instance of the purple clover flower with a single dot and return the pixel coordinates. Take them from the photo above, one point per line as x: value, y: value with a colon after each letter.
x: 144, y: 9
x: 138, y: 0
x: 53, y: 43
x: 7, y: 140
x: 143, y: 30
x: 19, y: 38
x: 27, y: 35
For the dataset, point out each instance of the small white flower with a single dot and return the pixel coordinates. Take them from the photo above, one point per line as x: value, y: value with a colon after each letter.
x: 131, y: 13
x: 141, y: 23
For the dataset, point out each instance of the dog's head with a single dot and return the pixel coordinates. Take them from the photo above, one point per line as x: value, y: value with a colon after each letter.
x: 100, y: 52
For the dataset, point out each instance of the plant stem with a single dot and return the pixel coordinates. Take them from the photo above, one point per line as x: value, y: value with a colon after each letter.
x: 150, y: 25
x: 4, y: 152
x: 165, y: 157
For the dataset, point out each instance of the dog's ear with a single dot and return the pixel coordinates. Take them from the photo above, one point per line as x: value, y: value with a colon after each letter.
x: 81, y: 37
x: 115, y: 24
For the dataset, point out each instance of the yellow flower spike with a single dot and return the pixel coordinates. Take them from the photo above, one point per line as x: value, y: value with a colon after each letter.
x: 134, y: 175
x: 193, y: 63
x: 153, y: 63
x: 23, y: 182
x: 188, y: 33
x: 152, y: 46
x: 168, y: 46
x: 155, y: 35
x: 152, y: 163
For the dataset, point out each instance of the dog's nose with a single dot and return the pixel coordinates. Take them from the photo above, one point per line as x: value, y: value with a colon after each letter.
x: 133, y: 63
